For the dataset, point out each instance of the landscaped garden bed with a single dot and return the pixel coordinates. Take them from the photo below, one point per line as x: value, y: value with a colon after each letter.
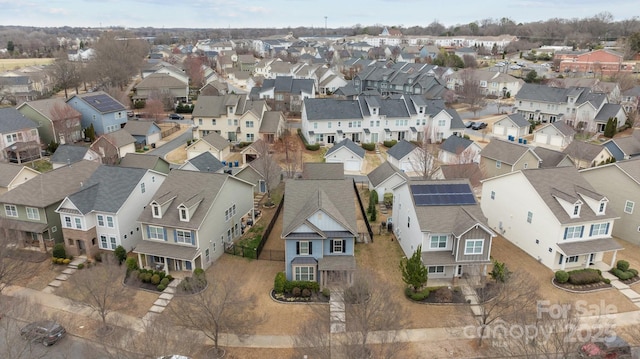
x: 147, y: 279
x: 625, y: 274
x: 581, y: 280
x: 437, y: 295
x: 287, y: 291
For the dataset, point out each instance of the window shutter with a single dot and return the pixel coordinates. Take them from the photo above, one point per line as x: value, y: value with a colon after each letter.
x: 310, y: 247
x: 565, y: 233
x: 331, y: 246
x: 561, y: 258
x: 606, y: 230
x: 148, y: 232
x: 591, y: 231
x: 193, y: 238
x: 297, y: 247
x: 164, y: 229
x: 581, y: 231
x: 175, y: 236
x: 344, y: 246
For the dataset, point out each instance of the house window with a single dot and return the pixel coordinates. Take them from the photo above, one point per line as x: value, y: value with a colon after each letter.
x: 112, y: 240
x: 11, y: 210
x: 184, y: 214
x: 228, y: 122
x: 100, y: 220
x: 213, y: 122
x: 441, y: 123
x: 436, y: 269
x: 329, y: 124
x: 103, y: 242
x: 67, y: 222
x: 78, y: 223
x: 628, y: 207
x: 599, y: 229
x: 493, y: 194
x: 306, y: 273
x: 206, y: 254
x: 526, y: 165
x: 529, y: 217
x: 249, y: 124
x: 142, y: 189
x: 473, y: 246
x: 573, y: 232
x: 572, y: 259
x: 602, y: 207
x: 200, y: 121
x: 33, y: 213
x: 156, y: 233
x: 110, y: 222
x: 550, y: 250
x: 303, y: 248
x: 183, y: 236
x: 250, y: 137
x: 498, y: 164
x: 438, y: 242
x: 156, y: 211
x: 408, y: 221
x: 576, y: 209
x: 315, y: 125
x: 338, y: 246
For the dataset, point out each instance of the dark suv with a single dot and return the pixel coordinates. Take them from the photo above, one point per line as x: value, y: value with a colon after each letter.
x: 48, y: 332
x: 175, y: 116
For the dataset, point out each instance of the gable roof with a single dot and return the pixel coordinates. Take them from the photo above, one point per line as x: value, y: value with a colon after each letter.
x: 270, y: 121
x: 141, y: 160
x: 119, y: 138
x: 140, y: 128
x: 518, y: 119
x: 505, y: 151
x: 160, y: 81
x: 584, y: 150
x: 11, y: 120
x: 288, y: 84
x: 455, y: 144
x: 322, y: 171
x: 543, y: 93
x: 51, y: 187
x: 628, y: 145
x: 69, y: 154
x: 206, y: 162
x: 347, y: 143
x: 383, y: 172
x: 107, y: 189
x: 470, y: 171
x: 9, y: 171
x: 562, y: 128
x: 47, y: 108
x: 608, y: 110
x: 550, y: 158
x: 336, y: 198
x: 216, y: 141
x: 100, y: 101
x: 401, y: 149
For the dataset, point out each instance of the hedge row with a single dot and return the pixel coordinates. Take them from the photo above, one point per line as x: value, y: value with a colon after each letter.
x: 585, y: 276
x: 369, y: 146
x: 622, y: 270
x: 282, y: 285
x: 309, y: 147
x: 389, y: 144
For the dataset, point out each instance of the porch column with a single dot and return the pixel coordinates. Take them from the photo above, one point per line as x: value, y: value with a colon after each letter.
x: 484, y: 270
x: 165, y: 267
x: 42, y: 245
x: 613, y: 260
x: 140, y: 260
x: 564, y: 262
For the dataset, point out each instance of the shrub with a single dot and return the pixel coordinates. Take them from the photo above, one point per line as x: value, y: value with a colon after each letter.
x: 193, y: 284
x: 161, y: 287
x: 54, y: 260
x: 279, y: 282
x: 419, y: 296
x: 165, y: 281
x: 155, y: 279
x: 198, y: 272
x: 147, y: 277
x: 634, y: 271
x: 289, y: 285
x: 120, y: 253
x: 80, y: 266
x: 59, y: 251
x: 306, y: 293
x: 313, y: 147
x: 132, y: 264
x: 443, y: 295
x: 369, y: 146
x: 326, y: 292
x: 98, y: 257
x: 622, y: 265
x: 169, y: 277
x: 66, y: 261
x: 622, y: 275
x: 607, y: 280
x: 389, y: 144
x: 562, y: 276
x: 584, y: 276
x: 296, y: 291
x: 141, y: 276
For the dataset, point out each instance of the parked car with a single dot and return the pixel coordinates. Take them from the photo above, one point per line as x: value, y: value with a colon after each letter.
x: 130, y: 114
x: 175, y: 116
x: 47, y: 332
x: 613, y: 347
x: 479, y: 125
x: 469, y: 124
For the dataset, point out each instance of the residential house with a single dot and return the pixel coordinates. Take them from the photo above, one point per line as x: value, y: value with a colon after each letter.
x: 272, y: 126
x: 556, y: 135
x: 328, y: 81
x: 261, y: 173
x: 99, y: 109
x: 17, y: 88
x: 113, y: 146
x: 253, y: 151
x: 511, y: 126
x: 213, y: 143
x: 319, y: 229
x: 553, y: 214
x: 162, y: 85
x: 491, y: 83
x: 235, y: 117
x: 612, y: 89
x: 190, y: 219
x: 57, y: 121
x: 146, y: 161
x: 146, y: 133
x: 444, y: 218
x: 552, y: 158
x: 406, y: 156
x: 322, y: 170
x: 499, y: 157
x: 620, y: 183
x: 19, y: 139
x: 603, y: 62
x: 579, y: 107
x: 469, y: 171
x: 284, y: 93
x: 373, y: 119
x: 401, y: 78
x: 585, y: 154
x: 456, y: 149
x: 624, y: 148
x: 103, y: 213
x: 630, y: 100
x: 384, y: 178
x: 204, y: 162
x: 12, y: 175
x: 68, y: 154
x: 29, y: 209
x: 348, y: 153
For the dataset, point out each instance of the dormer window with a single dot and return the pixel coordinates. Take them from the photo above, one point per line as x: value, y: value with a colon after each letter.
x: 576, y: 210
x: 602, y: 207
x: 156, y: 211
x: 184, y: 213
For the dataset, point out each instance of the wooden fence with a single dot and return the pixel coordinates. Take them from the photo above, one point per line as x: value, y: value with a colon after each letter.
x: 267, y: 232
x: 364, y: 213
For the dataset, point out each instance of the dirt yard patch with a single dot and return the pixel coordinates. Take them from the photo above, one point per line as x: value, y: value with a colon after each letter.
x: 15, y: 64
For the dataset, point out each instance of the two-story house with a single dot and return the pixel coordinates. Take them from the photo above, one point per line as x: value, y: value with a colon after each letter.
x: 284, y: 93
x: 103, y: 213
x: 57, y: 121
x: 190, y: 218
x: 500, y: 157
x: 445, y: 219
x: 553, y: 214
x: 319, y: 228
x: 401, y: 78
x: 234, y: 117
x: 19, y: 139
x: 29, y: 209
x: 162, y: 84
x: 99, y: 109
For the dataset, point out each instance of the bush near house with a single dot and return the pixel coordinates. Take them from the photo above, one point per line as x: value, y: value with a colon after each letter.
x: 562, y: 276
x: 585, y: 276
x: 59, y: 251
x: 369, y: 146
x: 309, y: 147
x: 622, y: 270
x: 389, y: 144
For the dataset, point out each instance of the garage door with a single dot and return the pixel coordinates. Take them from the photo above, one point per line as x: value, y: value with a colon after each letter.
x: 351, y: 165
x: 556, y: 141
x: 542, y: 138
x: 512, y: 132
x: 192, y: 154
x: 498, y: 130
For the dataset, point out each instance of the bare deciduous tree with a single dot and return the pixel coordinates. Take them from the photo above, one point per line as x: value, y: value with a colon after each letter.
x: 11, y: 269
x: 292, y: 153
x: 425, y: 159
x: 118, y: 58
x: 471, y: 91
x: 268, y: 166
x: 66, y: 122
x: 12, y: 345
x: 65, y: 73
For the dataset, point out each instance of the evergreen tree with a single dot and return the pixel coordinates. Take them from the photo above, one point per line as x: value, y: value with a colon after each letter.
x: 609, y: 128
x: 414, y: 272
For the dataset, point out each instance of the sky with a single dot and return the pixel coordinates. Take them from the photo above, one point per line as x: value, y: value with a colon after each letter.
x: 296, y: 13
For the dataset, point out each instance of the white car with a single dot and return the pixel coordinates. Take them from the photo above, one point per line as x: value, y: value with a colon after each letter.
x: 514, y: 67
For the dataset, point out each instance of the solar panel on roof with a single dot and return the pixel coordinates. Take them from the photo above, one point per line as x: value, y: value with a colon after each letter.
x: 442, y: 194
x: 104, y: 103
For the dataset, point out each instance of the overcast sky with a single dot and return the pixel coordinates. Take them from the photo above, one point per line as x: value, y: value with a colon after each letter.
x: 295, y: 13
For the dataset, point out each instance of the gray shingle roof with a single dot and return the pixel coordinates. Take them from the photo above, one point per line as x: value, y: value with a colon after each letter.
x: 157, y: 81
x: 470, y: 171
x: 383, y: 172
x: 141, y: 160
x: 543, y: 93
x: 270, y: 121
x: 46, y: 108
x: 519, y: 120
x: 287, y: 84
x: 455, y: 144
x: 608, y: 110
x: 107, y: 189
x: 206, y: 162
x: 401, y: 149
x: 51, y: 187
x: 550, y: 158
x: 140, y: 128
x: 322, y: 171
x: 504, y: 151
x: 216, y: 141
x: 336, y: 198
x: 119, y: 138
x: 563, y: 128
x: 11, y: 120
x: 352, y: 146
x: 331, y: 109
x: 69, y: 154
x: 8, y: 172
x: 583, y: 150
x: 629, y: 145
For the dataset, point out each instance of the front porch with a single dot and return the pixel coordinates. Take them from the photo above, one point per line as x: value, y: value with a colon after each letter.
x: 585, y: 254
x: 28, y: 235
x: 443, y: 268
x: 171, y: 259
x: 21, y: 152
x: 336, y: 271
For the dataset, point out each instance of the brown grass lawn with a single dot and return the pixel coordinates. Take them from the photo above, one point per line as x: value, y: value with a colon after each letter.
x: 15, y: 64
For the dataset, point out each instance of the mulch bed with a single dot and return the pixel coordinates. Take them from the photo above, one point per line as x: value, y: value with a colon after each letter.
x: 631, y: 281
x: 457, y: 297
x: 582, y: 288
x: 28, y: 255
x: 136, y: 283
x: 290, y: 298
